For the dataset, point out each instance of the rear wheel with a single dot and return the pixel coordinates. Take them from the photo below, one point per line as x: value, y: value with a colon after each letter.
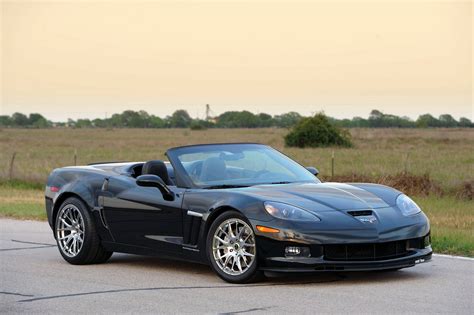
x: 76, y: 235
x: 232, y: 250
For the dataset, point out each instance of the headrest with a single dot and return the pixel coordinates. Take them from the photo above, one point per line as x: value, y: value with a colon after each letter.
x: 157, y: 167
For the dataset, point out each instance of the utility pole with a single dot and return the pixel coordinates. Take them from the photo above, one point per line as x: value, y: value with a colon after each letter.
x: 208, y: 112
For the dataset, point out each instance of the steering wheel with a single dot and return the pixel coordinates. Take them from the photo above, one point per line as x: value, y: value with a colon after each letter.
x: 195, y: 170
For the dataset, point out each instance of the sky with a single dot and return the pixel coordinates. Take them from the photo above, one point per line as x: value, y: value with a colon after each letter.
x: 89, y: 59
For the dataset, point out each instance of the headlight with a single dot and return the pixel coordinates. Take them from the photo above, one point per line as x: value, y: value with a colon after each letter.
x: 407, y: 206
x: 288, y: 212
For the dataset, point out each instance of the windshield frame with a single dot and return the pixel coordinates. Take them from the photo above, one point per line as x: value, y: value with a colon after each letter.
x: 183, y: 180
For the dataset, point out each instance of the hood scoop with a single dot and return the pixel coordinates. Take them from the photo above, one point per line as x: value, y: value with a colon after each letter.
x: 364, y: 216
x: 360, y: 213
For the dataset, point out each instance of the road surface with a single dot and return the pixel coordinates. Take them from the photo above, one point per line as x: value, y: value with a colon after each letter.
x: 35, y: 279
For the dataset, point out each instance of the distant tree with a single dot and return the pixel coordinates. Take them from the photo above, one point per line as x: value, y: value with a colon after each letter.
x: 376, y: 119
x: 38, y: 121
x: 448, y: 121
x: 360, y: 122
x: 265, y: 120
x: 243, y: 119
x: 83, y: 123
x: 156, y: 122
x: 100, y: 123
x: 19, y: 120
x: 5, y: 121
x: 427, y: 120
x: 317, y: 131
x: 406, y: 122
x: 287, y: 120
x: 180, y: 119
x: 464, y: 122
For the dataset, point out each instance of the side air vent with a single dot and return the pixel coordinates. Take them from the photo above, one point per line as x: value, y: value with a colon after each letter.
x: 360, y: 213
x: 192, y: 226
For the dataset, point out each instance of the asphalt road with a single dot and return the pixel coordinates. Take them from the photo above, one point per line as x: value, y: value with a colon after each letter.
x: 35, y: 279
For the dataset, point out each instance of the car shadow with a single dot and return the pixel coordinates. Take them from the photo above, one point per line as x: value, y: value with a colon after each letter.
x: 349, y: 278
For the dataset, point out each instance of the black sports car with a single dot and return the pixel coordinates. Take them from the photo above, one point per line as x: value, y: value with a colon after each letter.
x: 243, y: 208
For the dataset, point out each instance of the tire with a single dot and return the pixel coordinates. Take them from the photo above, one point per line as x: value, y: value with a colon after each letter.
x: 76, y: 234
x: 233, y: 254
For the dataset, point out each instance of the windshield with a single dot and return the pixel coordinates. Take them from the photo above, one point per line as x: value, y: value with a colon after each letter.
x: 235, y: 165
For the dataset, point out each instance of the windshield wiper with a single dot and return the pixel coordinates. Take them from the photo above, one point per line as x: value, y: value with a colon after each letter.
x: 223, y: 186
x: 279, y: 183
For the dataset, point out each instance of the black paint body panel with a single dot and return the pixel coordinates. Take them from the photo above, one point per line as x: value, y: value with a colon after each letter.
x: 138, y: 220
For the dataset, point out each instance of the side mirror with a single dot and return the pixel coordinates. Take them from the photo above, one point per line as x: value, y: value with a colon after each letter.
x: 313, y: 170
x: 156, y: 181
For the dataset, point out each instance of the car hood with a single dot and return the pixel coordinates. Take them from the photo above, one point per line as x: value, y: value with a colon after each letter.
x: 321, y: 197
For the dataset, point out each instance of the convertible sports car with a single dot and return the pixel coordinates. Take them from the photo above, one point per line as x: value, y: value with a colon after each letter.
x: 243, y: 208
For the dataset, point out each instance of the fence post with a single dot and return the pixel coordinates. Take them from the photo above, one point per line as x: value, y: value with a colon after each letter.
x: 406, y: 162
x: 332, y: 165
x: 12, y: 161
x: 75, y: 156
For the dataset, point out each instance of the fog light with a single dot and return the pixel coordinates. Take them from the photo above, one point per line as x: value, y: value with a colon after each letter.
x: 296, y: 251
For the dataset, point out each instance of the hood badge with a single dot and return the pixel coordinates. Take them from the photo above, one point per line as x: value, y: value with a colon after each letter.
x: 367, y: 219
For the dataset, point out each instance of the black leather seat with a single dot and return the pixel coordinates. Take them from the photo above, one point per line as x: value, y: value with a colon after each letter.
x: 157, y: 167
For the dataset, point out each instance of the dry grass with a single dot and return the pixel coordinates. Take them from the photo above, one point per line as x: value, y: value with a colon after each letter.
x: 447, y: 155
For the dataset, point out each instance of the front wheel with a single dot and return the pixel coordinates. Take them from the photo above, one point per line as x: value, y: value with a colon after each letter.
x: 76, y: 236
x: 232, y: 250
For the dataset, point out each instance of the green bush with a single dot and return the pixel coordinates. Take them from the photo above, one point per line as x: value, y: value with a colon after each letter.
x: 317, y: 131
x: 198, y: 125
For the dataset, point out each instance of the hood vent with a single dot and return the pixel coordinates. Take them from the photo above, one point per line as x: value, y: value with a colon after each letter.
x: 360, y: 213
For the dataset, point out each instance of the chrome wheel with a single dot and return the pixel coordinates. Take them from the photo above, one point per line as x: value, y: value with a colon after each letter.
x: 70, y: 230
x: 233, y: 246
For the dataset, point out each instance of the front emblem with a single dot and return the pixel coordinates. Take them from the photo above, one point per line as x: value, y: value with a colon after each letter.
x: 367, y: 219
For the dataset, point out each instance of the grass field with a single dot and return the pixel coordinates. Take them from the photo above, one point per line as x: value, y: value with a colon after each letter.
x: 447, y: 155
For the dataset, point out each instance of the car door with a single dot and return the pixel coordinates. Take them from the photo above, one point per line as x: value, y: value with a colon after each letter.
x: 139, y: 216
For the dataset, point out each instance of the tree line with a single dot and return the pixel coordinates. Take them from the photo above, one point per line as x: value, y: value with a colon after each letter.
x: 230, y: 119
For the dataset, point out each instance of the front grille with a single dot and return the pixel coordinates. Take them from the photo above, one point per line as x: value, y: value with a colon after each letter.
x: 374, y: 251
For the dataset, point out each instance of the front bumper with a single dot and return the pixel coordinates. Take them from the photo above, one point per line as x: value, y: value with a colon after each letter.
x: 318, y: 264
x: 343, y: 257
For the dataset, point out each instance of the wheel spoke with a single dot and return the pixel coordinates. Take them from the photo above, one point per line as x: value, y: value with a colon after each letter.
x: 220, y: 229
x: 65, y: 223
x: 220, y: 247
x: 74, y: 245
x: 247, y: 237
x: 65, y: 237
x: 240, y: 232
x: 233, y: 263
x: 220, y: 239
x: 238, y: 264
x: 223, y: 256
x: 227, y: 260
x: 68, y: 240
x: 70, y: 216
x: 65, y: 229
